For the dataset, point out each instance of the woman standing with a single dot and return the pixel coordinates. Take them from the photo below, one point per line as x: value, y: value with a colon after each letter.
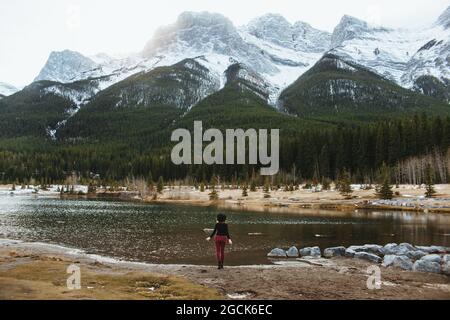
x: 222, y: 237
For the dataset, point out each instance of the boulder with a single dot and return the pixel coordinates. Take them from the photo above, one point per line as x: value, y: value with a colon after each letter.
x: 426, y: 266
x: 402, y: 262
x: 399, y: 250
x: 389, y: 248
x: 368, y: 256
x: 433, y: 249
x: 388, y: 260
x: 446, y: 268
x: 334, y: 252
x: 416, y: 255
x: 292, y: 252
x: 370, y: 248
x: 408, y: 246
x: 349, y: 253
x: 432, y: 258
x: 277, y: 253
x: 446, y: 258
x: 311, y: 252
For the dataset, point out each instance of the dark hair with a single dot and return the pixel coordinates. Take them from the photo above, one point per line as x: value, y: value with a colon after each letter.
x: 221, y: 217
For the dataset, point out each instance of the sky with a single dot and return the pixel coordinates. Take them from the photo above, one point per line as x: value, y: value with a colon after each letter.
x: 31, y: 29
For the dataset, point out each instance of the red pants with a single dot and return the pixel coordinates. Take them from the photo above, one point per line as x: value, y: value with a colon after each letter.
x: 221, y: 241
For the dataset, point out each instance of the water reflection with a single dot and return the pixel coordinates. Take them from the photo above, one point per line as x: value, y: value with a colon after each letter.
x: 173, y: 234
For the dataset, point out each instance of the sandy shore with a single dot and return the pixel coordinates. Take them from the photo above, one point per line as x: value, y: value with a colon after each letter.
x: 38, y: 271
x: 410, y: 198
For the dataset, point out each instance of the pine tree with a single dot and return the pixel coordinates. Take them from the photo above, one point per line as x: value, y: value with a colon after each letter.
x: 202, y: 187
x: 266, y: 189
x: 384, y: 188
x: 344, y: 185
x: 244, y: 191
x: 160, y: 185
x: 214, y: 195
x: 253, y: 185
x: 429, y: 181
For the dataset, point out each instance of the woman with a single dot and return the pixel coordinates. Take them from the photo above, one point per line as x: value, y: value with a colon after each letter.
x: 222, y: 237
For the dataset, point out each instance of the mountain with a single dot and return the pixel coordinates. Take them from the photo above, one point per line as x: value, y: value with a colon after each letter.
x: 402, y: 56
x: 165, y: 92
x: 7, y: 89
x: 337, y: 90
x: 300, y: 36
x: 42, y: 107
x: 66, y: 66
x: 444, y: 19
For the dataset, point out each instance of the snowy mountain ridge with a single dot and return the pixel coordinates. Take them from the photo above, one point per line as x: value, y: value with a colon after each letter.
x: 280, y: 52
x: 7, y: 89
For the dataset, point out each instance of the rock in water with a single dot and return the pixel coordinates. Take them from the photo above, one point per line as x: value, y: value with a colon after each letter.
x: 334, y: 252
x: 277, y: 253
x: 426, y: 266
x: 432, y: 258
x: 368, y: 256
x: 292, y: 252
x: 402, y: 262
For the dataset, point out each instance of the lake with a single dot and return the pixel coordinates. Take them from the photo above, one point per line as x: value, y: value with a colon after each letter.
x: 174, y: 234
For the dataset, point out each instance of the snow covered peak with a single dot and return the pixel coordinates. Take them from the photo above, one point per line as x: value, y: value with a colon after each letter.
x: 350, y: 28
x: 196, y: 30
x: 300, y: 36
x: 65, y: 66
x: 190, y: 19
x: 7, y: 89
x: 444, y: 19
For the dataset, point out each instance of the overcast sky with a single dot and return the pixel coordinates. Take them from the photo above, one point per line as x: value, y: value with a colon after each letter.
x: 31, y: 29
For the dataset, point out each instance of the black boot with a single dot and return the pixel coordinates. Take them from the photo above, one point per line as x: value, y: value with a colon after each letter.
x: 219, y: 266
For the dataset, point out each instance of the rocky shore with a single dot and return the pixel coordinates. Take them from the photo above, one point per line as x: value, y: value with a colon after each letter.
x: 428, y: 259
x: 39, y: 271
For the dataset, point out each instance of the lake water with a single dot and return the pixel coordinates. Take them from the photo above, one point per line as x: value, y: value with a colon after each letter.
x: 174, y: 234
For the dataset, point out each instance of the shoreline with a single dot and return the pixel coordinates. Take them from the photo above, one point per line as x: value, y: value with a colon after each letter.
x: 38, y: 271
x: 410, y: 199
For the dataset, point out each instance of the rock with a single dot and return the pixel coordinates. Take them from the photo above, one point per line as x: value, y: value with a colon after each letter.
x: 433, y: 249
x: 277, y: 253
x: 368, y: 256
x: 446, y: 258
x: 416, y: 255
x: 370, y: 248
x: 388, y: 260
x: 446, y: 268
x: 408, y: 246
x: 334, y: 252
x: 398, y: 250
x: 292, y: 252
x: 349, y: 253
x: 426, y: 266
x: 432, y: 258
x: 311, y: 252
x: 389, y: 248
x: 402, y: 262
